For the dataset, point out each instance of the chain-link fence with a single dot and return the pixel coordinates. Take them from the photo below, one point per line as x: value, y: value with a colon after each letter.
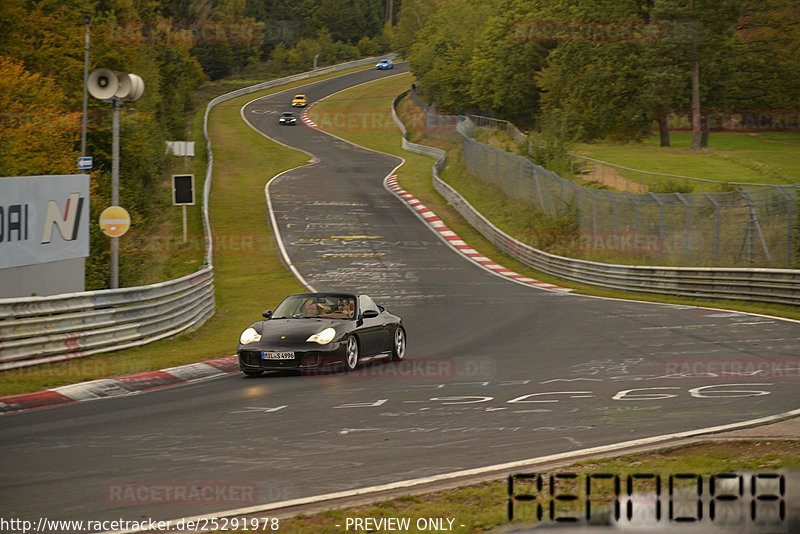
x: 619, y: 177
x: 752, y: 227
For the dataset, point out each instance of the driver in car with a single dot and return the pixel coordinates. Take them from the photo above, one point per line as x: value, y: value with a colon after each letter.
x: 310, y: 309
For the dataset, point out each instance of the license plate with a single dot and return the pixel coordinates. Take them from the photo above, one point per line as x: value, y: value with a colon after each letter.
x: 268, y: 355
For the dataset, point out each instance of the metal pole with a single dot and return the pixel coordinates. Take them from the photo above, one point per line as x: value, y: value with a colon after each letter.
x: 789, y: 225
x: 660, y: 223
x: 750, y: 256
x: 87, y: 17
x: 635, y: 215
x: 185, y: 169
x: 687, y: 244
x: 115, y: 189
x: 613, y: 208
x: 716, y: 227
x: 594, y: 215
x: 789, y: 230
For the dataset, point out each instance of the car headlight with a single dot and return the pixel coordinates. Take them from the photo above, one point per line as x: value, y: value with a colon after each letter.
x: 324, y: 337
x: 249, y: 336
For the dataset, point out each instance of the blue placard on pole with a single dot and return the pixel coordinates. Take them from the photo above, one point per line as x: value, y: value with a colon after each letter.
x: 85, y: 162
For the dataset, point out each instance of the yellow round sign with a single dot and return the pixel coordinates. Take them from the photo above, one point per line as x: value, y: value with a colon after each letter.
x: 115, y: 221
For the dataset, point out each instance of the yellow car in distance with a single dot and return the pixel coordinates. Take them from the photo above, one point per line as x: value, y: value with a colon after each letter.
x: 299, y: 101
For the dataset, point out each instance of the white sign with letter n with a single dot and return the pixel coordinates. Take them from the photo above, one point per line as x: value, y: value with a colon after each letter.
x: 43, y: 219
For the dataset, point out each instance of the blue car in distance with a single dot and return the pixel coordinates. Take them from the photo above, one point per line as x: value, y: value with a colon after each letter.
x: 384, y: 64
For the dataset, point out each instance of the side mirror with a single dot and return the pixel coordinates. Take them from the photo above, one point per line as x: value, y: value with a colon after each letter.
x: 267, y: 314
x: 369, y: 314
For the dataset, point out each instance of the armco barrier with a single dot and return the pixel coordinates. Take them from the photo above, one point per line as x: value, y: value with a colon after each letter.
x: 37, y: 330
x: 764, y: 285
x: 431, y: 151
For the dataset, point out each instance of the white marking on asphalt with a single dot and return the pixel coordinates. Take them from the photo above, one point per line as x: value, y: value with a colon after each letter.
x: 379, y: 402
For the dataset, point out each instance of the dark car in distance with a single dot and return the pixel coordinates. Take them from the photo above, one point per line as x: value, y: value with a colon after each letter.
x: 309, y: 331
x: 287, y: 118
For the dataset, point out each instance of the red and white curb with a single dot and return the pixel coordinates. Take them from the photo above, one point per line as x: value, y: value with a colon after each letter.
x: 120, y: 386
x: 458, y: 244
x: 305, y: 119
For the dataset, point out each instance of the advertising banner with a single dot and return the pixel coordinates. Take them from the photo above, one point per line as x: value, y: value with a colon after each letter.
x: 43, y: 219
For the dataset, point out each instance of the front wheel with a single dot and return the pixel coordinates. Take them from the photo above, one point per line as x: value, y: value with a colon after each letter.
x: 351, y: 354
x: 399, y: 346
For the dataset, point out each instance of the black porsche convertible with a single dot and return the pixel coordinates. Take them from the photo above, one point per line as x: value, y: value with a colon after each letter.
x: 314, y: 330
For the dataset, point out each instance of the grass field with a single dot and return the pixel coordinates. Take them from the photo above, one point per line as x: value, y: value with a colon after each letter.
x: 730, y: 157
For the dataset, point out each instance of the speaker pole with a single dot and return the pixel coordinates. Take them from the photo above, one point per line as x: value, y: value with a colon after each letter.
x: 104, y: 85
x: 115, y: 188
x: 87, y: 18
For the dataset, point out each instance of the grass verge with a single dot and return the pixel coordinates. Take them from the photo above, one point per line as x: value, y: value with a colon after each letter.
x: 768, y: 157
x: 482, y: 507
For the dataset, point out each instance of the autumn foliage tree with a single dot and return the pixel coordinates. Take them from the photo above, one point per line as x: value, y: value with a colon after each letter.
x: 37, y: 132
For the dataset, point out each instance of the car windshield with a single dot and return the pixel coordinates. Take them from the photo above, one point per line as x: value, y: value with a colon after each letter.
x: 287, y: 114
x: 330, y: 306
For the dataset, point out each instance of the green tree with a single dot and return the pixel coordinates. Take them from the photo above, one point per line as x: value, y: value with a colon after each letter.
x: 441, y: 56
x: 502, y: 68
x: 411, y: 19
x: 350, y: 21
x: 601, y: 78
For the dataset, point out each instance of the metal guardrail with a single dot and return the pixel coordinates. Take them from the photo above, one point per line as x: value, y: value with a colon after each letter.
x: 38, y: 330
x: 764, y: 285
x: 431, y: 151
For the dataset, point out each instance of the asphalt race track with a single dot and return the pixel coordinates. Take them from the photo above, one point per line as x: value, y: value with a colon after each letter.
x: 496, y: 371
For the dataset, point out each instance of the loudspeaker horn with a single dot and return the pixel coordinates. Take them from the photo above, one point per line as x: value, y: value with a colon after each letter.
x: 124, y: 87
x: 102, y: 84
x: 137, y: 87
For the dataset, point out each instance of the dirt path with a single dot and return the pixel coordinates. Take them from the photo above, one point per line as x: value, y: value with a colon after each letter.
x: 611, y: 177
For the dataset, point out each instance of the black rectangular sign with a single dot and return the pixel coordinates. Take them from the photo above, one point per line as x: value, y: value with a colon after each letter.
x: 183, y: 189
